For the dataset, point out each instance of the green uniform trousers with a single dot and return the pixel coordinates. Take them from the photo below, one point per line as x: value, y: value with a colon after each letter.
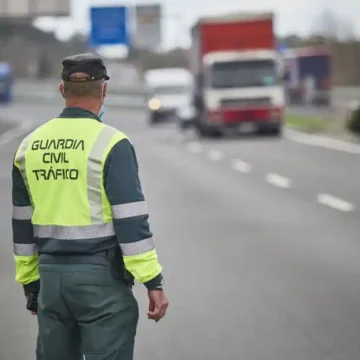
x: 85, y: 310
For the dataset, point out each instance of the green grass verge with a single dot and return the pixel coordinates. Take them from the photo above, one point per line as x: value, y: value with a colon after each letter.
x: 306, y: 123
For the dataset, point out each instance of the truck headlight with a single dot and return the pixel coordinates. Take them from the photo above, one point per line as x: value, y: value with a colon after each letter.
x: 215, y: 116
x: 276, y: 114
x: 154, y: 104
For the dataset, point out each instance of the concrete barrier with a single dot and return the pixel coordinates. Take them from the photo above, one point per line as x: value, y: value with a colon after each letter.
x: 133, y: 95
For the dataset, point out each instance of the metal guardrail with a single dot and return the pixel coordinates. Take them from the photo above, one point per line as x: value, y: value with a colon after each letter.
x: 342, y: 96
x: 51, y: 85
x: 47, y: 91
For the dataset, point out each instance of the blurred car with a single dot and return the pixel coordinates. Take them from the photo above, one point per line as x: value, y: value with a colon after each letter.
x: 168, y: 90
x: 6, y: 83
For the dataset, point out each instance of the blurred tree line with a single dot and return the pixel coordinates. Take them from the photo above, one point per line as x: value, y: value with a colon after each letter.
x: 329, y: 29
x: 33, y: 52
x: 146, y: 59
x: 36, y: 53
x: 338, y: 34
x: 345, y: 57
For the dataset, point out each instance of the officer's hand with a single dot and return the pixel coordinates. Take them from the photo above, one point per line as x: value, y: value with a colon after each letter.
x: 158, y: 303
x: 32, y: 312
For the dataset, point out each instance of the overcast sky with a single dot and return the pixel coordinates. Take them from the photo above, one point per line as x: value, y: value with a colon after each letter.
x: 291, y: 15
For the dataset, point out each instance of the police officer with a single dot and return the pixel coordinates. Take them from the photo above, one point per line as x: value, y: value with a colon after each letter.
x: 80, y: 227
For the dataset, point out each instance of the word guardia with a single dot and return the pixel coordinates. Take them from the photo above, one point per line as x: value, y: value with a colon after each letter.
x: 59, y: 144
x: 57, y: 157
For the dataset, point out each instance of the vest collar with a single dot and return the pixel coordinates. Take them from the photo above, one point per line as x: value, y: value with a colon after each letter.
x: 74, y: 112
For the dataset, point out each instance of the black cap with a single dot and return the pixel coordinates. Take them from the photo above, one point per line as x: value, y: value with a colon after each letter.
x: 88, y: 63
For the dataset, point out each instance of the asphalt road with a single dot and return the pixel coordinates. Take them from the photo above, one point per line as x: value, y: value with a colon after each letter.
x: 259, y: 239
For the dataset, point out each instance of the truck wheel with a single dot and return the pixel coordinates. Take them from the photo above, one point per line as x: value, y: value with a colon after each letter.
x: 203, y: 131
x: 199, y: 129
x: 277, y: 131
x: 206, y: 131
x: 153, y: 119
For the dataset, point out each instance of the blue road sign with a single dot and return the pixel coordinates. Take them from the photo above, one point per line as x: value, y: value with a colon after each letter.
x: 281, y: 48
x: 109, y: 26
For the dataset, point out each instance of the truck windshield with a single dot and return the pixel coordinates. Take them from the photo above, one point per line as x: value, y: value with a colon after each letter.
x: 244, y: 74
x: 170, y: 90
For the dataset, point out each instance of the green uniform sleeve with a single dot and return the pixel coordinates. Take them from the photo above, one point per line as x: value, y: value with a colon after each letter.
x: 25, y: 248
x: 130, y: 216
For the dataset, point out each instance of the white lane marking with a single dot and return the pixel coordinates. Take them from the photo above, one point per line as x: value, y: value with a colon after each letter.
x: 194, y: 147
x: 278, y: 180
x: 215, y: 155
x: 241, y: 166
x: 322, y: 141
x: 19, y: 130
x: 335, y: 203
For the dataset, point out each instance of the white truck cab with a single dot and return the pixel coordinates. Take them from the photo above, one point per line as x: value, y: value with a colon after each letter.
x: 239, y: 81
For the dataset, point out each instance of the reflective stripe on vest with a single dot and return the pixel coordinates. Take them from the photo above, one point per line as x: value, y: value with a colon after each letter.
x: 22, y: 212
x: 94, y: 173
x: 98, y: 226
x: 20, y: 160
x: 74, y: 232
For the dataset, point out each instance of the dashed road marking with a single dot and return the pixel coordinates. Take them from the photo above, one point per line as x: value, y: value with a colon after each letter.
x: 194, y: 147
x: 278, y: 180
x: 215, y: 155
x: 241, y: 166
x: 335, y: 203
x: 19, y: 130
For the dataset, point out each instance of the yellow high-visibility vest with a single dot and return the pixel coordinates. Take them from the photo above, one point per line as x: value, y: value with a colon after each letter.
x: 62, y: 165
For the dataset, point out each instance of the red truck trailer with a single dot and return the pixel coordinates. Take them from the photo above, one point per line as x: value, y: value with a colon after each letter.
x: 237, y: 77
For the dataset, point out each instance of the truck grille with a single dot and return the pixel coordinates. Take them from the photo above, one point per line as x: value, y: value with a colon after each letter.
x: 231, y: 103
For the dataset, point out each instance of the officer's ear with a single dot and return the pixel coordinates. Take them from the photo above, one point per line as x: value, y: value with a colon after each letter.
x: 61, y: 89
x: 105, y: 89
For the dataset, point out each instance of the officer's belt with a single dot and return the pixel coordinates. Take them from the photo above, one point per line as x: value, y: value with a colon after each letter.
x: 106, y: 257
x: 99, y: 258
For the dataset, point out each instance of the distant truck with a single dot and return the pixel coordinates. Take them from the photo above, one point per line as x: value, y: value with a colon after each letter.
x: 6, y: 83
x: 308, y: 75
x: 238, y: 80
